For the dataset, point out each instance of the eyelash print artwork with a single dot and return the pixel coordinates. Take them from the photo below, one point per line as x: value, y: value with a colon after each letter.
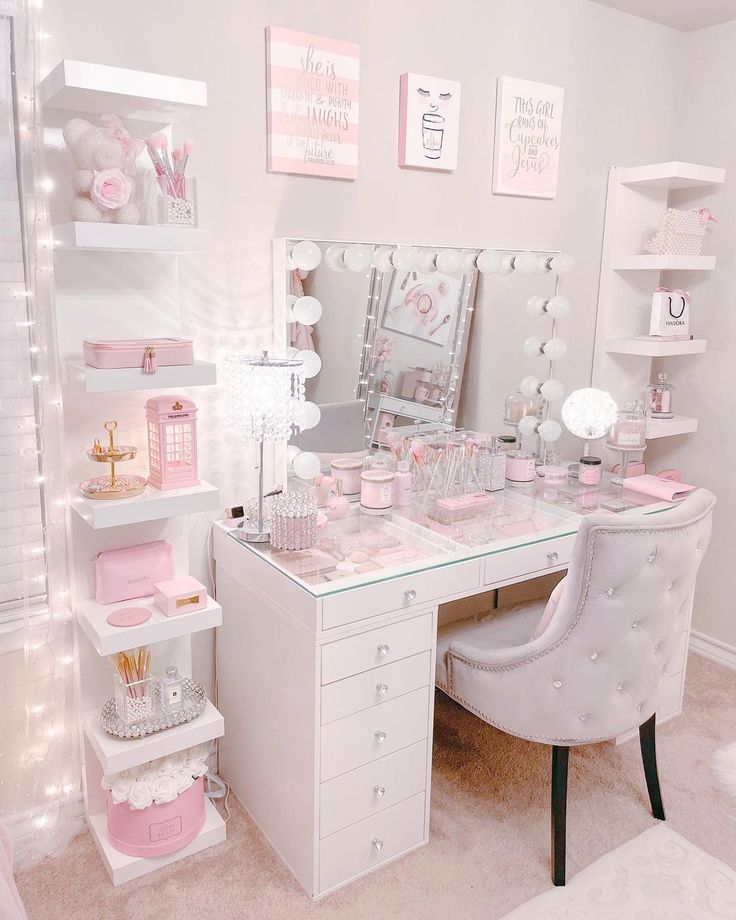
x: 429, y: 122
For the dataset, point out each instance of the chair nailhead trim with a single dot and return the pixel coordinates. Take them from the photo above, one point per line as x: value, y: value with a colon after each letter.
x: 557, y: 684
x: 593, y: 656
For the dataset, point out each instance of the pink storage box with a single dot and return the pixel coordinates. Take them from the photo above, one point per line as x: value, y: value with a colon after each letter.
x: 179, y: 595
x: 132, y: 571
x: 158, y: 829
x: 148, y: 354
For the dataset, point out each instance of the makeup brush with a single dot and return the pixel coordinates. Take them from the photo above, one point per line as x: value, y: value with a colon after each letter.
x: 187, y: 147
x: 157, y: 150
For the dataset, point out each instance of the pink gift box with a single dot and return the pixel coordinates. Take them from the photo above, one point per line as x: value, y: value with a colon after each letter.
x: 158, y: 829
x: 179, y: 595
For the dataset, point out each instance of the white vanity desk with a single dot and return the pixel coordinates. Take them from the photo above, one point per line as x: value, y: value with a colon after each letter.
x: 327, y: 686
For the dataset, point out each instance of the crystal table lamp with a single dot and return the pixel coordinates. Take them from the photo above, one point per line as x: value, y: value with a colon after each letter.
x: 265, y: 402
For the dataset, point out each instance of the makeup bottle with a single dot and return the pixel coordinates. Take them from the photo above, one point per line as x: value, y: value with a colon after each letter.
x: 172, y: 691
x: 402, y: 484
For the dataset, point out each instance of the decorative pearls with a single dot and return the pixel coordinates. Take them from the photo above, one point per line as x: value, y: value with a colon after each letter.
x: 562, y: 264
x: 532, y: 346
x: 294, y: 519
x: 307, y: 310
x: 404, y: 258
x: 311, y: 363
x: 306, y: 255
x: 555, y: 349
x: 382, y: 259
x: 491, y: 262
x: 306, y: 465
x: 334, y: 259
x: 358, y: 257
x: 448, y: 261
x: 552, y: 390
x: 558, y: 306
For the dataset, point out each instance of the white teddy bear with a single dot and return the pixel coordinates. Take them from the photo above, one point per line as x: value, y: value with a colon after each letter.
x: 104, y: 180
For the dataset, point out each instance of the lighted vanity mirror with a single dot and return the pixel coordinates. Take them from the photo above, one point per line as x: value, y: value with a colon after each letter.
x: 389, y: 333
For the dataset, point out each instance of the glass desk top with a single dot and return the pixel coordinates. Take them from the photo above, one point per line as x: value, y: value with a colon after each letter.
x: 362, y: 549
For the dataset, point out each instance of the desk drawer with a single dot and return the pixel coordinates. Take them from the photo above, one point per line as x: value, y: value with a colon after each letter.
x: 371, y: 688
x: 375, y: 787
x: 376, y: 647
x: 398, y: 593
x: 528, y: 560
x: 369, y: 843
x: 373, y: 733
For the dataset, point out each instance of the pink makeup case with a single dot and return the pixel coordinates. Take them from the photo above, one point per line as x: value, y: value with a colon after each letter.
x: 131, y: 571
x: 148, y: 354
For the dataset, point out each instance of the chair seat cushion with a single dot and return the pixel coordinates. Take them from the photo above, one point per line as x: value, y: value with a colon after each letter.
x: 502, y: 628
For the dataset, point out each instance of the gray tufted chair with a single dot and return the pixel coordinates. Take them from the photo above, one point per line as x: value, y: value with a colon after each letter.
x: 594, y: 672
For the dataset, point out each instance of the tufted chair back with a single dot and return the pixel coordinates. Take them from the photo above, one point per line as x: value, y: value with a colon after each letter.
x: 594, y: 673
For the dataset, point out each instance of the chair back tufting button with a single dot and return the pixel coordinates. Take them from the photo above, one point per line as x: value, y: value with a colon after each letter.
x: 620, y: 688
x: 635, y: 624
x: 652, y: 556
x: 593, y: 656
x: 557, y: 684
x: 584, y: 717
x: 609, y: 593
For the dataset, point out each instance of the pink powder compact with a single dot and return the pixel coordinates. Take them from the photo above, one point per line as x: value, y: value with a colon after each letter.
x: 179, y: 595
x: 347, y: 470
x: 376, y: 491
x: 520, y: 466
x: 553, y: 475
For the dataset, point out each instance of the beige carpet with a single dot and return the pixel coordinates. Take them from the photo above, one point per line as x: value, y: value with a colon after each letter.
x: 489, y: 845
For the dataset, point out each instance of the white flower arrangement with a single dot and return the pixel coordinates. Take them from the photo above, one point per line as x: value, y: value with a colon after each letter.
x: 159, y: 781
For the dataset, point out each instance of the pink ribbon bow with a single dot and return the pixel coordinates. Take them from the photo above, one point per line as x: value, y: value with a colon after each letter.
x: 706, y: 216
x: 133, y: 146
x: 684, y: 294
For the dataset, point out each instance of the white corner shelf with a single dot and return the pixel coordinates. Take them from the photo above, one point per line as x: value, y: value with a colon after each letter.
x: 90, y: 236
x: 107, y: 639
x: 123, y: 868
x: 655, y: 348
x: 151, y: 505
x: 126, y: 379
x: 96, y: 89
x: 668, y: 427
x: 672, y: 175
x: 663, y: 263
x: 116, y: 754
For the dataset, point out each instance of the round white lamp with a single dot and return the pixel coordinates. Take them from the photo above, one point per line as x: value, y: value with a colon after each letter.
x: 382, y: 259
x: 306, y: 255
x: 588, y: 414
x: 448, y: 261
x: 358, y: 257
x: 427, y: 261
x: 307, y: 310
x: 404, y: 258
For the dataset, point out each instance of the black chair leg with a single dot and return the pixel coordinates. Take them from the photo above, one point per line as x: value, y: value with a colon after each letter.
x: 560, y: 757
x: 648, y: 742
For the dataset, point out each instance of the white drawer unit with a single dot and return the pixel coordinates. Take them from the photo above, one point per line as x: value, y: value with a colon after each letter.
x: 399, y: 593
x: 376, y: 647
x: 373, y: 733
x: 528, y: 561
x: 371, y: 688
x: 370, y: 842
x: 372, y: 788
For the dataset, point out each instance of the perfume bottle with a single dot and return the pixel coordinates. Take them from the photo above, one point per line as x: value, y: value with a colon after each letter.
x: 172, y: 691
x: 630, y: 428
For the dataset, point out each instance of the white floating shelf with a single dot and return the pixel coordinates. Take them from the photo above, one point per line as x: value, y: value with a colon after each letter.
x: 116, y: 754
x: 151, y: 505
x: 655, y: 348
x: 107, y: 639
x: 667, y: 427
x: 663, y: 263
x: 129, y: 237
x: 96, y: 89
x: 123, y: 379
x: 123, y: 868
x: 671, y: 175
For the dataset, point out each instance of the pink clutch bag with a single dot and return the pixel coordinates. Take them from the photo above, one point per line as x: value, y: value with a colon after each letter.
x: 665, y: 490
x: 132, y: 571
x: 148, y: 354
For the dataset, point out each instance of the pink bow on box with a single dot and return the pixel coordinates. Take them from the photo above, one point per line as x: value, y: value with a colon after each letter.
x: 665, y: 290
x: 706, y: 216
x: 133, y: 146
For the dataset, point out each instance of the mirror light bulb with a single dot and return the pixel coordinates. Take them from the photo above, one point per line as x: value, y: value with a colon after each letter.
x: 306, y: 255
x: 562, y: 264
x: 535, y: 305
x: 532, y: 346
x: 405, y: 258
x: 491, y: 262
x: 448, y: 261
x: 307, y: 310
x: 467, y: 262
x: 554, y: 349
x: 306, y: 465
x: 290, y: 301
x: 549, y: 431
x: 382, y: 259
x: 527, y: 263
x: 334, y: 259
x: 528, y: 424
x: 427, y: 261
x: 529, y: 386
x: 358, y: 257
x: 552, y: 390
x: 558, y: 306
x: 311, y: 362
x: 292, y: 352
x: 291, y: 451
x: 310, y: 416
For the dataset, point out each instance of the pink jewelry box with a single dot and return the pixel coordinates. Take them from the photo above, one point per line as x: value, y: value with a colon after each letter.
x: 148, y: 354
x: 158, y: 829
x: 179, y: 595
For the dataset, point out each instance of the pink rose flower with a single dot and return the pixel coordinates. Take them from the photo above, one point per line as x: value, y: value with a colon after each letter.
x: 111, y: 189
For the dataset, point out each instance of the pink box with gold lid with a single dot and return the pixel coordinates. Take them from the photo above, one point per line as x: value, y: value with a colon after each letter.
x: 179, y: 595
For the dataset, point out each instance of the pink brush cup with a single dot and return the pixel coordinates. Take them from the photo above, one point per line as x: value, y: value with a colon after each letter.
x: 158, y: 829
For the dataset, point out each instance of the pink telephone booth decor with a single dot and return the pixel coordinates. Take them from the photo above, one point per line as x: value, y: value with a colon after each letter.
x: 172, y: 442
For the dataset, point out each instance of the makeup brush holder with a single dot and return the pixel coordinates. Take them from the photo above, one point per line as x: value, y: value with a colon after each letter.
x: 177, y: 203
x: 133, y: 701
x: 294, y: 521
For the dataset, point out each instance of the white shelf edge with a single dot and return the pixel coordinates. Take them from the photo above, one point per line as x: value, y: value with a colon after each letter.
x: 94, y: 237
x: 670, y: 427
x: 122, y: 868
x: 107, y: 639
x: 672, y: 175
x: 654, y: 348
x: 151, y: 505
x: 116, y: 754
x: 127, y: 379
x: 663, y: 263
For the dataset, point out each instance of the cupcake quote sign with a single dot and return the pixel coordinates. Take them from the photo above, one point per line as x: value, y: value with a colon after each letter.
x: 528, y: 134
x: 312, y: 104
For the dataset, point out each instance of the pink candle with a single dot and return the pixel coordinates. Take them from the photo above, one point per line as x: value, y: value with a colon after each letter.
x: 376, y: 491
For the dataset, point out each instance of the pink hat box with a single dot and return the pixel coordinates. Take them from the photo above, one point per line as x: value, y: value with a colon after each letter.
x: 158, y: 829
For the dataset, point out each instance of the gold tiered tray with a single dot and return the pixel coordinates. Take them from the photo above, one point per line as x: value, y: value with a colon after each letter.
x: 107, y: 488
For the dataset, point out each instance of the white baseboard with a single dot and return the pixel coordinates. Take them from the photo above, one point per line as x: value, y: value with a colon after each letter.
x: 713, y: 648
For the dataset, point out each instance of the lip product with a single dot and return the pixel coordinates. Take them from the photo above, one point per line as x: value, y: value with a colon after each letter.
x: 376, y: 491
x: 589, y: 471
x: 520, y: 466
x: 347, y: 471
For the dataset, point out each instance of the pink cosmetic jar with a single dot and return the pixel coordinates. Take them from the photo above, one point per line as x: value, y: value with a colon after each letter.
x: 346, y: 470
x: 589, y: 471
x: 376, y: 491
x: 520, y: 466
x: 553, y: 475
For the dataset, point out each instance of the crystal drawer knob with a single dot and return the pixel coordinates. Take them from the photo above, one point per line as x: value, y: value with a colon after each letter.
x: 410, y: 595
x: 552, y: 558
x: 380, y: 737
x: 380, y: 791
x: 383, y: 650
x: 382, y: 689
x: 377, y: 845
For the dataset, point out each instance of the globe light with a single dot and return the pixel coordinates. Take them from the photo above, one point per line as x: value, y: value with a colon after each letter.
x: 558, y: 306
x: 552, y: 390
x: 290, y: 301
x: 292, y: 352
x: 291, y: 451
x: 382, y: 259
x: 529, y: 386
x: 334, y: 259
x: 358, y: 257
x: 467, y: 262
x: 535, y: 305
x: 307, y: 310
x: 492, y: 262
x: 306, y: 255
x: 404, y: 258
x: 310, y: 416
x: 528, y: 424
x: 448, y: 261
x: 311, y: 362
x: 562, y: 264
x: 527, y: 263
x: 550, y: 430
x: 532, y: 346
x: 306, y: 465
x: 554, y: 349
x: 427, y: 261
